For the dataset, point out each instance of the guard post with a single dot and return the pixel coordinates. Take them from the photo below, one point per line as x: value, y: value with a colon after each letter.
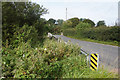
x: 94, y: 61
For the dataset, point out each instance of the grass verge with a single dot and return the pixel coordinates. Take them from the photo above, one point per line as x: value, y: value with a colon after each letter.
x: 96, y: 41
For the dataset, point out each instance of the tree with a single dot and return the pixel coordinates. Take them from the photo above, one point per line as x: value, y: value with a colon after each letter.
x: 21, y: 12
x: 51, y: 21
x: 82, y: 26
x: 60, y: 21
x: 101, y: 23
x: 17, y: 14
x: 74, y: 21
x: 67, y: 24
x: 89, y: 21
x: 81, y: 19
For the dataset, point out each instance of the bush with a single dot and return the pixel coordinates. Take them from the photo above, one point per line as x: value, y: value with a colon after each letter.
x: 53, y: 60
x: 82, y: 26
x: 70, y: 32
x: 67, y: 24
x: 89, y: 22
x: 25, y: 34
x: 101, y: 33
x: 27, y: 62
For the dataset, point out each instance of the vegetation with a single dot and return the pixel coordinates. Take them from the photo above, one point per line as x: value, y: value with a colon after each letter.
x: 101, y: 33
x: 104, y: 35
x: 74, y: 21
x: 101, y: 23
x: 89, y: 21
x: 60, y: 22
x: 52, y: 60
x: 82, y: 26
x: 16, y: 15
x: 67, y: 24
x: 27, y: 53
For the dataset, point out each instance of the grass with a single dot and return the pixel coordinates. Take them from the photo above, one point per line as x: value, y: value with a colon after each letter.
x: 73, y: 68
x: 115, y: 43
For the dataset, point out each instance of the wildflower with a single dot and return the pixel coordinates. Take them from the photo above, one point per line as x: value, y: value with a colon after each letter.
x: 35, y: 48
x: 54, y: 54
x: 65, y: 42
x: 2, y: 77
x: 23, y: 55
x: 4, y: 62
x: 24, y: 72
x: 45, y: 49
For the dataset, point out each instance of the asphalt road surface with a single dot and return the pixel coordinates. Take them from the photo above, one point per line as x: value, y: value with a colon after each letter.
x: 108, y: 53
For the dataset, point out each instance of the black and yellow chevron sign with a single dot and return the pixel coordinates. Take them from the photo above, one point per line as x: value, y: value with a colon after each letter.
x: 94, y: 61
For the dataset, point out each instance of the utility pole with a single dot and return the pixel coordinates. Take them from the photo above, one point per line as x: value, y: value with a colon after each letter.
x: 66, y: 13
x: 119, y: 13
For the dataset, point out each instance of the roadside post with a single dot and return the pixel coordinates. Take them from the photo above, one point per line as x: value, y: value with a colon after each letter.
x: 94, y: 61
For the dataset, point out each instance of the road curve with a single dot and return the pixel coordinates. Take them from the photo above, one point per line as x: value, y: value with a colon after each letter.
x: 108, y: 53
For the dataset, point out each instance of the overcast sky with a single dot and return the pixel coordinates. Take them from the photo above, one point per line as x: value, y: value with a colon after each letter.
x: 95, y: 10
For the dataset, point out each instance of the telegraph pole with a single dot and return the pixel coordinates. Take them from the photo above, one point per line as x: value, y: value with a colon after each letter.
x: 66, y: 13
x: 119, y: 13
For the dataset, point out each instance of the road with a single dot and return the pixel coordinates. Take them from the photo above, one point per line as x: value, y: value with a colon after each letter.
x: 108, y: 53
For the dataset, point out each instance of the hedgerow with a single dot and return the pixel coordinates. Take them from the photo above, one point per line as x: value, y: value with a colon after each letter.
x: 97, y: 33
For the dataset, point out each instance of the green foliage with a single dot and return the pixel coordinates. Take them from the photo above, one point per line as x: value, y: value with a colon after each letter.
x: 53, y: 60
x: 82, y: 26
x: 67, y: 24
x: 99, y: 33
x: 81, y: 19
x: 70, y: 32
x: 57, y: 30
x: 21, y: 13
x: 54, y: 28
x: 74, y: 21
x: 51, y: 21
x: 103, y: 33
x: 101, y: 23
x: 41, y: 27
x: 27, y: 62
x: 25, y: 34
x: 89, y: 21
x: 17, y: 14
x: 60, y: 22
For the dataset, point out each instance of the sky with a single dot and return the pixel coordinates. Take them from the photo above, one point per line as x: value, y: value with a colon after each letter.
x: 96, y: 10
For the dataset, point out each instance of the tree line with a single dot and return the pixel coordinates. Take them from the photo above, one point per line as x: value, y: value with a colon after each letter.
x: 85, y: 28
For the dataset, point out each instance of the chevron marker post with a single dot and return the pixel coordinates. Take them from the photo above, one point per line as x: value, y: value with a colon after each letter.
x: 94, y: 60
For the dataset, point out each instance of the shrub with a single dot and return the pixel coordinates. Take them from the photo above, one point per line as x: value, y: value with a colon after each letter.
x: 101, y: 33
x: 67, y: 24
x: 82, y: 26
x: 89, y: 22
x: 74, y: 21
x: 70, y: 32
x: 24, y: 34
x: 27, y: 62
x: 53, y: 60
